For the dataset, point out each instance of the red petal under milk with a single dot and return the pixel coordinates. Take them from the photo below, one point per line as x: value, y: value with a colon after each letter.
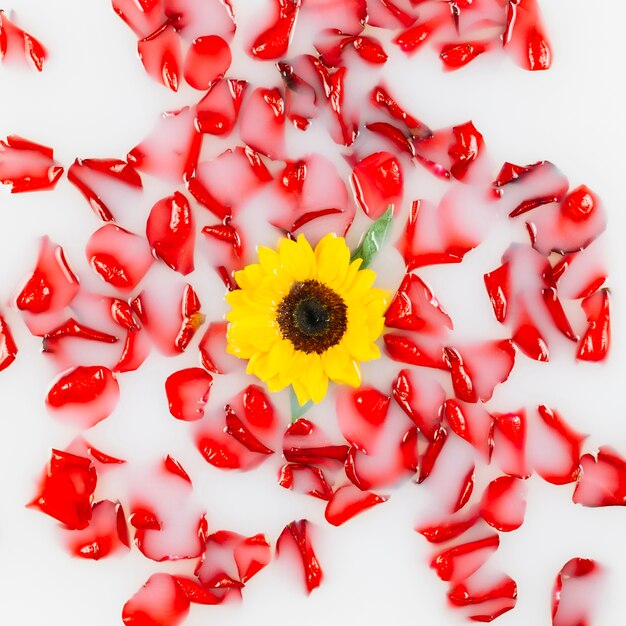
x: 503, y: 504
x: 16, y: 45
x: 601, y: 479
x: 208, y: 59
x: 377, y: 182
x: 595, y: 343
x: 575, y: 593
x: 187, y: 393
x: 297, y: 535
x: 8, y: 349
x: 305, y: 479
x: 462, y: 560
x: 160, y: 602
x: 27, y: 166
x: 160, y: 54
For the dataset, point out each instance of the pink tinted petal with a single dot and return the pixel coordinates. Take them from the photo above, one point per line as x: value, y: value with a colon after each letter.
x: 273, y: 42
x: 462, y: 560
x: 143, y: 16
x: 480, y: 368
x: 263, y: 122
x: 66, y: 491
x: 450, y: 528
x: 223, y: 451
x: 601, y: 479
x: 8, y: 349
x: 225, y: 182
x: 487, y: 601
x: 160, y: 54
x: 160, y: 602
x: 348, y: 501
x: 120, y: 257
x: 84, y: 396
x: 27, y: 166
x: 595, y: 343
x: 525, y: 36
x: 553, y: 447
x: 297, y: 536
x: 383, y: 100
x: 208, y: 60
x: 581, y: 274
x: 100, y: 180
x: 509, y: 443
x: 171, y: 150
x: 106, y: 533
x: 414, y: 307
x: 361, y: 415
x: 472, y: 422
x: 16, y: 45
x: 377, y: 182
x: 415, y: 350
x: 457, y: 55
x: 170, y: 231
x: 421, y: 398
x: 218, y: 111
x: 187, y: 393
x: 503, y: 504
x: 305, y: 479
x: 575, y: 593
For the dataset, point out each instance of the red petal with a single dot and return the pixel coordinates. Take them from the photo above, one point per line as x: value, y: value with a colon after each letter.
x: 487, y: 601
x: 208, y: 60
x: 160, y: 602
x: 575, y: 593
x: 348, y: 501
x: 263, y: 122
x: 84, y: 395
x: 160, y: 54
x: 382, y: 99
x: 27, y: 166
x: 503, y: 504
x: 218, y: 111
x: 467, y: 146
x: 406, y: 349
x: 8, y: 349
x: 296, y: 535
x: 457, y: 55
x: 472, y: 422
x: 451, y: 528
x: 595, y: 344
x: 377, y: 182
x: 67, y: 489
x: 602, y: 479
x: 509, y: 443
x: 273, y: 42
x: 187, y: 393
x: 120, y: 257
x: 16, y: 44
x: 170, y: 231
x: 461, y: 561
x: 196, y: 19
x: 305, y: 479
x: 525, y: 36
x: 213, y: 350
x: 143, y: 16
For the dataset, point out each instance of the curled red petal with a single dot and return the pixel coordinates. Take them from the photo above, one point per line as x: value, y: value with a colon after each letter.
x: 160, y: 54
x: 161, y: 601
x: 348, y: 501
x: 297, y: 534
x: 8, y: 348
x: 187, y: 393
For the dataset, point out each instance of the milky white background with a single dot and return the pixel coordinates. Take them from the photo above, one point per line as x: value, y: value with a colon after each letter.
x: 94, y: 100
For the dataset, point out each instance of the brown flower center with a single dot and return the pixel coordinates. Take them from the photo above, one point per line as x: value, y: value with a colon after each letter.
x: 312, y: 316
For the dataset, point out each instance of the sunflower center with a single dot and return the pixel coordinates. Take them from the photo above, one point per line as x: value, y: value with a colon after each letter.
x: 312, y: 316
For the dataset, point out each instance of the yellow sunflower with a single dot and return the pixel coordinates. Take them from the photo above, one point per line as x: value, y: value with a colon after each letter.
x: 303, y: 317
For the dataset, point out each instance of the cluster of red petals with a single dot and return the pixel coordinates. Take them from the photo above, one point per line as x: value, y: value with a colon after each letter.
x: 434, y: 422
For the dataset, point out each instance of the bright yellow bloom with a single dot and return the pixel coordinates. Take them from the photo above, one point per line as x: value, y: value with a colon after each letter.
x: 303, y: 317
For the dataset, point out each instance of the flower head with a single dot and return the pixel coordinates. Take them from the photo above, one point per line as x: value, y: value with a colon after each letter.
x: 303, y: 317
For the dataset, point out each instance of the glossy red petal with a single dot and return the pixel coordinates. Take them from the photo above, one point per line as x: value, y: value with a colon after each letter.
x: 377, y: 182
x: 143, y: 16
x: 27, y: 166
x: 472, y: 422
x: 304, y: 442
x: 218, y: 111
x: 575, y: 593
x: 305, y: 479
x: 67, y: 488
x: 160, y: 602
x: 105, y: 535
x: 84, y: 395
x: 161, y: 56
x: 487, y: 601
x: 207, y: 61
x: 601, y: 479
x: 509, y: 443
x: 273, y: 42
x: 195, y: 19
x: 348, y: 501
x: 467, y: 146
x: 16, y: 45
x: 262, y: 121
x: 100, y: 180
x: 462, y: 560
x: 120, y: 257
x: 525, y: 36
x: 450, y: 528
x: 503, y: 504
x: 171, y: 233
x: 187, y: 393
x: 457, y: 55
x: 297, y: 535
x: 595, y: 343
x: 8, y: 348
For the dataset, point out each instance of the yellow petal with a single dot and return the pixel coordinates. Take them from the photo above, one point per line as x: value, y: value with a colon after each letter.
x: 297, y: 258
x: 333, y: 260
x: 340, y: 367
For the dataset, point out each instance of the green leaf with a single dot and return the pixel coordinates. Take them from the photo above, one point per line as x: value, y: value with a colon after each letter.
x: 298, y: 410
x: 374, y: 238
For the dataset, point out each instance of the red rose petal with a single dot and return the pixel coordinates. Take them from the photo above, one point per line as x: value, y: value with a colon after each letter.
x: 160, y: 54
x: 595, y: 344
x: 451, y: 528
x: 304, y: 442
x: 27, y: 166
x: 487, y: 601
x: 472, y: 422
x: 195, y: 19
x: 143, y: 16
x: 170, y: 231
x: 272, y: 43
x: 462, y: 560
x: 509, y: 443
x: 67, y: 489
x: 297, y: 535
x: 106, y: 533
x: 8, y: 349
x: 17, y: 45
x: 525, y: 36
x: 503, y: 504
x: 84, y: 395
x: 305, y: 479
x: 262, y: 121
x: 187, y: 392
x: 348, y: 501
x: 575, y: 593
x: 377, y: 182
x: 160, y: 602
x: 218, y: 111
x: 601, y: 480
x: 208, y: 60
x: 457, y: 55
x: 120, y: 257
x: 100, y: 180
x: 213, y: 350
